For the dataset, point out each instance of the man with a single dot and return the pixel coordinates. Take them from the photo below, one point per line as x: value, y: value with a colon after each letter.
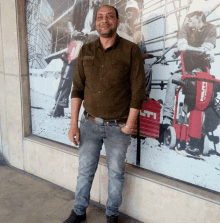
x: 129, y: 31
x: 110, y: 80
x: 128, y: 28
x: 195, y: 35
x: 84, y: 15
x: 82, y: 23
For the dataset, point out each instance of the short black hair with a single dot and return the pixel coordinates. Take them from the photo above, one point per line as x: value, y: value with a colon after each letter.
x: 116, y: 10
x: 197, y: 13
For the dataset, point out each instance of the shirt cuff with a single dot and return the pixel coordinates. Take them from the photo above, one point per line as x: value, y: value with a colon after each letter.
x: 77, y: 95
x: 136, y: 104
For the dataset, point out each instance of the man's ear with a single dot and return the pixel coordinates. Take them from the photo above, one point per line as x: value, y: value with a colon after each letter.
x: 118, y: 22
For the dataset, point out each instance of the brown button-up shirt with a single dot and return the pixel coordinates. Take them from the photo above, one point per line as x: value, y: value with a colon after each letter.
x: 110, y: 81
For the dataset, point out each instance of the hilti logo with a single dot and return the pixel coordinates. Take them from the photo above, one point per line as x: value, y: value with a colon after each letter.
x: 148, y: 113
x: 204, y: 91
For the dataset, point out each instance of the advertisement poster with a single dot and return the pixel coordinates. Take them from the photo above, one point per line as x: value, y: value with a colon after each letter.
x: 179, y: 127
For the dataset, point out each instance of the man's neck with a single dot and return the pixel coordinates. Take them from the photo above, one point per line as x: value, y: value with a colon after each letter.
x: 107, y: 42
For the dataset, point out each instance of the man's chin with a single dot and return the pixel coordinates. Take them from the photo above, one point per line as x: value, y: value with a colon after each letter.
x: 107, y: 34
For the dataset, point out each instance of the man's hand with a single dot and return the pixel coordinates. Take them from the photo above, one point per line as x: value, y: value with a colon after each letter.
x: 73, y: 134
x: 210, y: 57
x: 126, y: 130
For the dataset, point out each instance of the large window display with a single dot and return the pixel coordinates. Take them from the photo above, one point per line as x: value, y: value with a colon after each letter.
x: 177, y: 132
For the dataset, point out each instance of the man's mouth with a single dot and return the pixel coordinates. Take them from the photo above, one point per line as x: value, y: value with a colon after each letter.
x: 104, y: 27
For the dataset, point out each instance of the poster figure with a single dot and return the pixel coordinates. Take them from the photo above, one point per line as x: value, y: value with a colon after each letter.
x: 130, y: 31
x: 82, y: 31
x: 199, y: 36
x: 180, y: 44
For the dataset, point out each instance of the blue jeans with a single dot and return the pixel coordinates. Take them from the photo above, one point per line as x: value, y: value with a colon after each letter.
x: 92, y: 136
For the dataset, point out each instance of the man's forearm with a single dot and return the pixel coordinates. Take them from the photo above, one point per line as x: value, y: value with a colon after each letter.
x: 183, y: 46
x: 132, y: 117
x: 75, y: 108
x: 187, y: 47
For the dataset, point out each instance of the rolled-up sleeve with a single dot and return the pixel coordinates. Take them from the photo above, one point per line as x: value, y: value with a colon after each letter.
x: 79, y: 79
x: 137, y: 79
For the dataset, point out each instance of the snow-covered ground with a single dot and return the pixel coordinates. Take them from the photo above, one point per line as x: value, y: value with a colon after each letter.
x: 204, y: 173
x: 155, y: 157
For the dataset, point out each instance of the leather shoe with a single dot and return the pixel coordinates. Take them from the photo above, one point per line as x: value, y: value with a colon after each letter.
x: 193, y: 147
x: 58, y: 112
x: 112, y: 219
x: 74, y: 218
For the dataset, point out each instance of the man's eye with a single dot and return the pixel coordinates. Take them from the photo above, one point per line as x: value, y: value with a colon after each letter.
x: 110, y: 16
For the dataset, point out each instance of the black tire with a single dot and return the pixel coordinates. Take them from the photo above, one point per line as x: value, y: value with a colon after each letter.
x: 170, y: 137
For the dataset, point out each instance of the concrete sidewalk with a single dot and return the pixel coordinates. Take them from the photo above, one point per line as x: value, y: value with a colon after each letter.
x: 25, y: 198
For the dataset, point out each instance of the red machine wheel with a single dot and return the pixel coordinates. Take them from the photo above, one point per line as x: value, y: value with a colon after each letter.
x: 170, y: 137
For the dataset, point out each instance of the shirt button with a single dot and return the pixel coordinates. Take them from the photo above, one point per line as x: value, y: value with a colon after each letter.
x: 99, y: 92
x: 102, y: 66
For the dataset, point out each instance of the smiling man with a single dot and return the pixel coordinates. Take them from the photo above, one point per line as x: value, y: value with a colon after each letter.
x: 110, y: 80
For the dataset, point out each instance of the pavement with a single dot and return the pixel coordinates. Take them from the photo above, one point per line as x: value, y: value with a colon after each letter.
x: 25, y: 198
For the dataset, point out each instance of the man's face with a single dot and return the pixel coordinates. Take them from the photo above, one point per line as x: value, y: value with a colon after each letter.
x: 131, y: 14
x: 106, y: 21
x: 193, y: 22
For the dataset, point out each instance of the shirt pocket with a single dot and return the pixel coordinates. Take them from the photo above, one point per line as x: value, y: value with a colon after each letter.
x: 119, y: 65
x: 119, y: 73
x: 91, y: 75
x: 88, y: 64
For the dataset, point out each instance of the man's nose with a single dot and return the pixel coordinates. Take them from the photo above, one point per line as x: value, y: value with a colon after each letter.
x: 105, y: 19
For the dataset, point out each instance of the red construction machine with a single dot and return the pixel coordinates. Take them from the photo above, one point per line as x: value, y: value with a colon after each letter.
x: 197, y: 92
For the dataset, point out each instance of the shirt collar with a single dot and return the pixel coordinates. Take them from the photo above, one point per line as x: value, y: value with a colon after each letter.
x: 117, y: 40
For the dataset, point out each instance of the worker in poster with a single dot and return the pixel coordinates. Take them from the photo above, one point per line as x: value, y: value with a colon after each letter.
x: 196, y: 35
x: 130, y: 31
x: 81, y: 25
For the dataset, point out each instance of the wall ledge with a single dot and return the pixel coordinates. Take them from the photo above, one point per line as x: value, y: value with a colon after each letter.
x: 192, y: 190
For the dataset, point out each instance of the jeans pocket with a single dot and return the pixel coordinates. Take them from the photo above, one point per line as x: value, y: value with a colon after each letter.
x: 120, y: 126
x: 82, y: 120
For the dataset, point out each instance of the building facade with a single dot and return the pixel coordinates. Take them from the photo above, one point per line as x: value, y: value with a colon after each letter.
x: 148, y: 196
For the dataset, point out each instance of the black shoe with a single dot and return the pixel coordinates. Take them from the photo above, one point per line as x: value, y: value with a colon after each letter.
x: 74, y: 218
x: 58, y: 112
x: 193, y: 147
x: 112, y: 219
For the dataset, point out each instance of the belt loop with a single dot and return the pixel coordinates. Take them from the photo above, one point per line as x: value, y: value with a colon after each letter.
x: 86, y: 114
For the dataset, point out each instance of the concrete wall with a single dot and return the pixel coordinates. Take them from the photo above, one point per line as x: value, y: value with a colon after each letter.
x: 147, y: 196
